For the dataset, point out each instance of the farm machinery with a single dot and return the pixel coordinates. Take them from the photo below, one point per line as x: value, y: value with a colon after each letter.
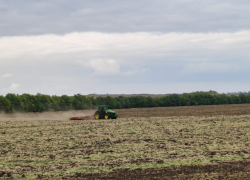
x: 105, y: 113
x: 102, y: 113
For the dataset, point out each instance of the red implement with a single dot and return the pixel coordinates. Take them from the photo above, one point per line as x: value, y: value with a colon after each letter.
x: 82, y: 118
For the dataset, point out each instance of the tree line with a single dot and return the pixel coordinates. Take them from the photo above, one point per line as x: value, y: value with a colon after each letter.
x: 41, y: 103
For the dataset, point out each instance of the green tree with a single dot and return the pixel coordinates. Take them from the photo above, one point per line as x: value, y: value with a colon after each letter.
x: 185, y: 100
x: 234, y: 99
x: 151, y: 102
x: 16, y: 102
x: 100, y: 101
x: 243, y: 98
x: 56, y: 103
x: 80, y: 102
x: 30, y: 103
x: 110, y: 102
x: 5, y: 105
x: 65, y: 102
x: 43, y: 102
x: 174, y: 100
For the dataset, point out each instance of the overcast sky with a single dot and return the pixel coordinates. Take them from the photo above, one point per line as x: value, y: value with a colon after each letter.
x: 60, y: 47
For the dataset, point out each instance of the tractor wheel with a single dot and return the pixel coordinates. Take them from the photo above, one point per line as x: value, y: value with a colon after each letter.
x: 97, y: 115
x: 106, y: 116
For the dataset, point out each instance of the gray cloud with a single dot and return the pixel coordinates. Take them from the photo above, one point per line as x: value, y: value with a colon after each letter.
x: 29, y: 17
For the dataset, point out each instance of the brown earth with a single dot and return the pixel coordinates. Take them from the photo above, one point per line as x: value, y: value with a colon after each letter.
x: 199, y: 142
x: 227, y: 110
x: 232, y: 170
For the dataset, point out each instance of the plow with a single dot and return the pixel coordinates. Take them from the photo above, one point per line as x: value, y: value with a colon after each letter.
x: 102, y: 113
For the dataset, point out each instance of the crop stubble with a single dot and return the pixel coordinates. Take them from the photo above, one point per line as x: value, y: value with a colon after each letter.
x: 181, y: 145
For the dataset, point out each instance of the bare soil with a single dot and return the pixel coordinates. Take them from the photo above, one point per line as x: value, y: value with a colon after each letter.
x: 232, y: 170
x: 199, y: 142
x: 226, y: 110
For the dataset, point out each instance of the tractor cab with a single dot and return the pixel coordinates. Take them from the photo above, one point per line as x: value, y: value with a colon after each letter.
x: 103, y: 108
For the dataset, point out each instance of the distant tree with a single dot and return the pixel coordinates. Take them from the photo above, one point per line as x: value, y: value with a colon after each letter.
x: 213, y: 92
x: 40, y: 102
x: 29, y: 103
x: 110, y: 102
x: 174, y: 100
x: 185, y: 100
x: 144, y: 102
x: 248, y: 98
x: 16, y: 102
x: 222, y: 99
x: 159, y: 101
x: 5, y: 105
x: 243, y: 98
x: 118, y: 105
x: 234, y: 99
x: 80, y: 102
x: 100, y: 101
x: 151, y: 102
x: 65, y: 102
x: 43, y: 103
x: 92, y: 100
x: 55, y: 103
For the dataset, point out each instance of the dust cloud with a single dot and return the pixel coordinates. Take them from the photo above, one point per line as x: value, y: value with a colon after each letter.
x: 58, y: 115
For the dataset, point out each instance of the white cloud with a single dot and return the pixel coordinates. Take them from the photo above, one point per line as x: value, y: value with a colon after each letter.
x: 105, y: 67
x: 7, y: 75
x: 109, y: 67
x: 91, y: 45
x: 118, y: 49
x: 83, y: 59
x: 14, y: 86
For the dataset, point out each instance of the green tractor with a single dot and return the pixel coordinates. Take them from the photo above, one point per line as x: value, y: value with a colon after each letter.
x: 105, y: 113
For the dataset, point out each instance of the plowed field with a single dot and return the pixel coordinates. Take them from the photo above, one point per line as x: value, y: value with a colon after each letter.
x: 226, y: 110
x: 202, y: 142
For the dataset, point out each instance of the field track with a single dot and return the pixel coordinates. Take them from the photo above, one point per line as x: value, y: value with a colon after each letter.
x: 198, y: 142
